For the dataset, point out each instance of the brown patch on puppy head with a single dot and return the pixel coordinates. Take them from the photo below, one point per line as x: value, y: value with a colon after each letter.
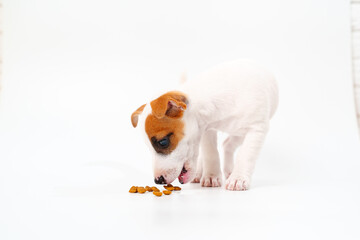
x: 164, y: 126
x: 166, y: 129
x: 171, y: 104
x: 135, y: 115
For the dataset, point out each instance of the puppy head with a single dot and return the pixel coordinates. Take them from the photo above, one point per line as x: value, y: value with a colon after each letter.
x: 170, y: 137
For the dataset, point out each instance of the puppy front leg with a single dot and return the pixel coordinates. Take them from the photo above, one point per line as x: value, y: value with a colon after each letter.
x: 230, y: 145
x: 245, y: 161
x: 199, y: 169
x: 211, y: 176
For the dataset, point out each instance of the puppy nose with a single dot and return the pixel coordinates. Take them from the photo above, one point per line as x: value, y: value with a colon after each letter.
x: 160, y: 180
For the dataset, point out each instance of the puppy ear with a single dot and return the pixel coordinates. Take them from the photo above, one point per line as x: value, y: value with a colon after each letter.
x: 175, y: 108
x: 172, y: 104
x: 135, y: 115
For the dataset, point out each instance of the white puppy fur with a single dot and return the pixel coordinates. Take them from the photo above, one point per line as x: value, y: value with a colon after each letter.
x: 238, y: 98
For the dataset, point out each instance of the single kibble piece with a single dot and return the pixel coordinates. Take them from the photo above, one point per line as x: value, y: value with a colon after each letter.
x: 177, y: 188
x: 141, y: 190
x: 157, y: 193
x: 133, y: 189
x: 149, y: 189
x: 169, y: 185
x: 155, y: 189
x: 167, y: 192
x: 169, y: 188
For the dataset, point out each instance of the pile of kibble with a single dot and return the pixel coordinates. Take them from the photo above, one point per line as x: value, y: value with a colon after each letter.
x: 169, y: 188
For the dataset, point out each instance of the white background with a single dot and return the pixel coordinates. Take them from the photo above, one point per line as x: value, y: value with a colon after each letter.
x: 75, y: 70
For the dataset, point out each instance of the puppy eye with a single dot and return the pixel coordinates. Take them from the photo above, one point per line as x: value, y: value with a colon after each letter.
x: 164, y: 143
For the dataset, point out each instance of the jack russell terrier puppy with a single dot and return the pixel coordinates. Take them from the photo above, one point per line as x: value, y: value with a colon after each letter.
x: 238, y: 98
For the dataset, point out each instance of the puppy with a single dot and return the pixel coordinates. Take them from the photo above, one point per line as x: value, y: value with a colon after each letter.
x: 180, y: 127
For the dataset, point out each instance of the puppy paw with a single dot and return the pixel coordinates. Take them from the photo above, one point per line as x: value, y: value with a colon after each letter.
x: 237, y: 183
x: 197, y: 178
x: 211, y: 180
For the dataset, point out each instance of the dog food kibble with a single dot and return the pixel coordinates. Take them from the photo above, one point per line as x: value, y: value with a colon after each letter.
x: 169, y: 188
x: 141, y: 190
x: 157, y: 193
x: 167, y: 192
x: 133, y: 189
x: 155, y: 189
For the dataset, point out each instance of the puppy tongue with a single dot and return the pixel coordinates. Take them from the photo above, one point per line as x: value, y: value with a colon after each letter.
x: 183, y: 177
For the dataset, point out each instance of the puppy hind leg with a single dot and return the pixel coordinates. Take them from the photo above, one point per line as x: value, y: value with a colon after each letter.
x: 245, y: 161
x: 230, y: 144
x: 211, y: 176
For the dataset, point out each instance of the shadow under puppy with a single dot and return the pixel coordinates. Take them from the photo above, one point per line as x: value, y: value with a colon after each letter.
x: 180, y: 127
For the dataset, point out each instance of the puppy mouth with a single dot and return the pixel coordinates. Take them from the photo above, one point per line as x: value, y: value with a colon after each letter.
x: 184, y: 175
